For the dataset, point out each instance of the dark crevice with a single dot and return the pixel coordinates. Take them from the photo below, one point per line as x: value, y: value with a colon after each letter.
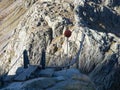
x: 101, y: 19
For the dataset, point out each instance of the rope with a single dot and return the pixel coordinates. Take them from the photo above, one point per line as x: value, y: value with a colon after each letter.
x: 14, y: 63
x: 67, y: 48
x: 76, y: 59
x: 72, y: 62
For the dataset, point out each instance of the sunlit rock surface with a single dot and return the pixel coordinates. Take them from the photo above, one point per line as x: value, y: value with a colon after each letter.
x: 37, y: 24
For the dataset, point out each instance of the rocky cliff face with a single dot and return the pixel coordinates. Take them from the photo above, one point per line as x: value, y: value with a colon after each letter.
x: 37, y: 24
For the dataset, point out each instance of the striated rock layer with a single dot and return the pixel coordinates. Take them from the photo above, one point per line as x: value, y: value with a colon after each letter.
x: 37, y: 24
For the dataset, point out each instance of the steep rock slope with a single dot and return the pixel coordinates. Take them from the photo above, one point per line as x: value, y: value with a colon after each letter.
x: 43, y: 24
x: 11, y: 13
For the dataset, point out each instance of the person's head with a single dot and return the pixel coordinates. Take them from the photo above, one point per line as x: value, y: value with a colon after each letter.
x: 25, y: 51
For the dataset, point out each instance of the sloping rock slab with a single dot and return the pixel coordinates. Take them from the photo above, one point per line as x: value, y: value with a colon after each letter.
x: 60, y: 78
x: 38, y: 84
x: 47, y: 72
x: 72, y: 85
x: 68, y: 73
x: 26, y: 73
x: 13, y: 86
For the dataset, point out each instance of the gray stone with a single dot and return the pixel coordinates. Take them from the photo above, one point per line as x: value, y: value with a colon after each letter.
x: 82, y: 77
x: 68, y: 73
x: 25, y: 74
x: 46, y: 72
x: 68, y: 6
x: 60, y: 78
x: 97, y: 19
x: 72, y: 85
x: 13, y: 86
x: 39, y: 83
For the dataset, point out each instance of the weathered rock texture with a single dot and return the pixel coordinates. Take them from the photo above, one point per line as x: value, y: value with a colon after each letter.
x: 33, y: 25
x: 72, y: 80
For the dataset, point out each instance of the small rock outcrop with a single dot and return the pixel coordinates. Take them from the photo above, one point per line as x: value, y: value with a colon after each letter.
x: 71, y: 80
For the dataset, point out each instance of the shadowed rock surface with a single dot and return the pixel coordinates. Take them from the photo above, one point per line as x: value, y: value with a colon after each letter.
x: 59, y: 81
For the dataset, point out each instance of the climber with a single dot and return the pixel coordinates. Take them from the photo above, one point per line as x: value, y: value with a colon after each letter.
x: 25, y: 58
x: 43, y: 59
x: 67, y: 33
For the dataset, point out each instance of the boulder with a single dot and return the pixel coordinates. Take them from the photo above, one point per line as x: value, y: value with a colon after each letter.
x: 25, y: 74
x: 68, y: 73
x: 46, y: 72
x: 73, y: 80
x: 72, y: 85
x: 99, y: 20
x: 39, y: 83
x: 82, y: 77
x: 60, y: 78
x: 13, y: 86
